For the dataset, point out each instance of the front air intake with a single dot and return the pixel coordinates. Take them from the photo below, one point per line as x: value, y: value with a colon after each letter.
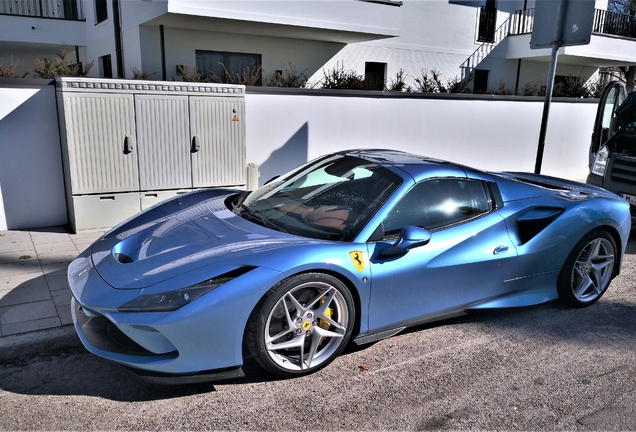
x: 123, y: 258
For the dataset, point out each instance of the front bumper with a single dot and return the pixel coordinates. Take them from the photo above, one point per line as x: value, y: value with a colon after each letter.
x: 98, y: 333
x: 619, y: 178
x: 201, y: 341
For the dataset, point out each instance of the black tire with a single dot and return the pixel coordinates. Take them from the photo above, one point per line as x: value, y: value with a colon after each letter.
x: 588, y: 270
x: 301, y: 324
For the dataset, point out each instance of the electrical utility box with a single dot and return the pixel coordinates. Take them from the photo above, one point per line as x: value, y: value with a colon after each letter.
x: 129, y: 144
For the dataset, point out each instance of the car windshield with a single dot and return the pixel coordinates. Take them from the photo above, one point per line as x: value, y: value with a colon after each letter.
x: 330, y: 198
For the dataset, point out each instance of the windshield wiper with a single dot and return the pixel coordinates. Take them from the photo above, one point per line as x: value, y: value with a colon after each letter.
x: 238, y: 200
x: 251, y: 214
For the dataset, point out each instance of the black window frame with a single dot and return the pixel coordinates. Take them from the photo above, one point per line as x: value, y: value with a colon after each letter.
x: 375, y: 75
x: 226, y: 62
x: 106, y: 66
x: 101, y: 11
x: 480, y: 80
x: 487, y: 25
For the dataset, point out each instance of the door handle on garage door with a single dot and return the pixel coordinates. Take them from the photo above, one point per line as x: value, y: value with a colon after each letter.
x: 500, y: 249
x: 196, y: 145
x: 128, y: 145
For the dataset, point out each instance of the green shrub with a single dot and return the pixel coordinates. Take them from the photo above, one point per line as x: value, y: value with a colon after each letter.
x: 142, y: 75
x: 339, y: 78
x: 49, y: 69
x: 288, y: 78
x: 183, y: 71
x: 8, y: 71
x: 398, y: 83
x: 434, y: 83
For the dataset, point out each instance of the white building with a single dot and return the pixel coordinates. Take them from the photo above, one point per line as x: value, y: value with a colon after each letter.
x: 488, y: 39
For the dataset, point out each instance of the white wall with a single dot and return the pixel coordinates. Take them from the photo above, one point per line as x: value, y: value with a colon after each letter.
x: 277, y: 53
x: 433, y: 35
x: 45, y: 31
x: 498, y: 134
x: 31, y: 177
x: 286, y: 128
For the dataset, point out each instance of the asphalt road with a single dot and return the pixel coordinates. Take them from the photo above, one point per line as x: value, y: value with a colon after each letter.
x: 538, y: 368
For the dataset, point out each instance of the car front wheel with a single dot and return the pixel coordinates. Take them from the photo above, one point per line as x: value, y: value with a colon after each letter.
x: 588, y: 270
x: 301, y: 324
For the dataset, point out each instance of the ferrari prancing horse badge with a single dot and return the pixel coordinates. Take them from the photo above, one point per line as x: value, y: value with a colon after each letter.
x: 358, y: 259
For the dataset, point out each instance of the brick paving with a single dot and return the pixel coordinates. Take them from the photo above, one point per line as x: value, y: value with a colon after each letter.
x: 34, y: 291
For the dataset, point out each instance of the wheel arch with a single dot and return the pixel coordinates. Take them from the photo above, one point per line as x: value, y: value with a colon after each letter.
x: 354, y: 293
x: 617, y: 241
x: 583, y: 279
x: 342, y: 278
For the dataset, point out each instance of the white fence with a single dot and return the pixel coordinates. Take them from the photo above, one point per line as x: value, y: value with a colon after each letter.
x: 286, y: 128
x: 489, y: 132
x: 31, y: 176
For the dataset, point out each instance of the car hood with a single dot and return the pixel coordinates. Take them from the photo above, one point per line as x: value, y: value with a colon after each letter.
x: 179, y: 236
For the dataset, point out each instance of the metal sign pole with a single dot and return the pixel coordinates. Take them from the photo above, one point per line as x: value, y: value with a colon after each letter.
x: 546, y: 108
x: 550, y: 84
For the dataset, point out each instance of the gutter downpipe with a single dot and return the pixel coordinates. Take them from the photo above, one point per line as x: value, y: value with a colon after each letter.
x: 163, y: 53
x: 119, y: 49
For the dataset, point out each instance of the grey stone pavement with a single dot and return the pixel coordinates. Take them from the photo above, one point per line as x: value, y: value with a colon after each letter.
x: 34, y: 291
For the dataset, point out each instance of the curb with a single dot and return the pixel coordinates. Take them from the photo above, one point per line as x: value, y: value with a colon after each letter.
x: 43, y: 342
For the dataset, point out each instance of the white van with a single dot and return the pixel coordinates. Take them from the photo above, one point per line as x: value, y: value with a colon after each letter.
x: 613, y: 147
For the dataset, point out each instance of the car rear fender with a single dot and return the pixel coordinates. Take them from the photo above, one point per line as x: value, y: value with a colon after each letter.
x: 547, y: 230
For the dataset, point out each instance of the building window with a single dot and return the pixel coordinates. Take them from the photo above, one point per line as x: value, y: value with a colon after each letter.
x: 487, y: 22
x: 105, y: 67
x: 480, y: 83
x: 101, y: 11
x: 374, y: 75
x: 230, y: 67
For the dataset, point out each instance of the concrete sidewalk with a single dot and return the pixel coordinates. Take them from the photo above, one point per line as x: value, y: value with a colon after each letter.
x: 34, y: 291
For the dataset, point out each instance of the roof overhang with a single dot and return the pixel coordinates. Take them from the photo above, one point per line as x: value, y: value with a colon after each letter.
x: 602, y: 51
x: 319, y: 20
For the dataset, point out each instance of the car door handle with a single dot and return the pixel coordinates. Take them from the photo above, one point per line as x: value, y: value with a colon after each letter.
x: 500, y: 249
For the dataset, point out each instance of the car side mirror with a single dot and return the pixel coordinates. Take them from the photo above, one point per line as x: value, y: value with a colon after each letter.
x: 410, y: 237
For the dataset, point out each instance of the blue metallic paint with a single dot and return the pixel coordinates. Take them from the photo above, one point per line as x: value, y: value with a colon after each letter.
x: 481, y: 263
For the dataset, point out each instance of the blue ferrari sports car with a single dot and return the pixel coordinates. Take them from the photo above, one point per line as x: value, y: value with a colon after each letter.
x: 356, y: 245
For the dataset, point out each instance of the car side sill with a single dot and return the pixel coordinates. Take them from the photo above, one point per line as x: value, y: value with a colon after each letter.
x: 374, y: 337
x: 387, y: 333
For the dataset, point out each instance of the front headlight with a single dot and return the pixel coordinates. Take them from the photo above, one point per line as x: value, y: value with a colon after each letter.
x: 600, y: 162
x: 171, y: 300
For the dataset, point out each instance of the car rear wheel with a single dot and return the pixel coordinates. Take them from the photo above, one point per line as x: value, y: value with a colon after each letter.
x: 588, y: 270
x: 301, y: 324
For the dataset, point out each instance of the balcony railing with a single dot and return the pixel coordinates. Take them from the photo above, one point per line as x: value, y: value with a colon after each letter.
x: 522, y: 21
x: 612, y: 23
x: 605, y: 22
x: 58, y: 9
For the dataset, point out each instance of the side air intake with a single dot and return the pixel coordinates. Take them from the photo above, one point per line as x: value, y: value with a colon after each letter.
x: 536, y: 220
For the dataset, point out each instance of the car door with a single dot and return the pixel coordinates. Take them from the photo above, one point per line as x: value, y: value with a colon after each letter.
x: 612, y: 97
x: 466, y: 260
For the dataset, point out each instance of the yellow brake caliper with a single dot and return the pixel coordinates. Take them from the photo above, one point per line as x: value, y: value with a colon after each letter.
x: 323, y: 323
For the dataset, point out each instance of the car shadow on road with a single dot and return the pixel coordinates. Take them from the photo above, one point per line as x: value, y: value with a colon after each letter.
x: 72, y: 370
x: 79, y: 373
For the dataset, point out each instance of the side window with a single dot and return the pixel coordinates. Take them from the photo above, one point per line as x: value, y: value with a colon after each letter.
x: 437, y: 203
x: 229, y: 67
x: 101, y: 11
